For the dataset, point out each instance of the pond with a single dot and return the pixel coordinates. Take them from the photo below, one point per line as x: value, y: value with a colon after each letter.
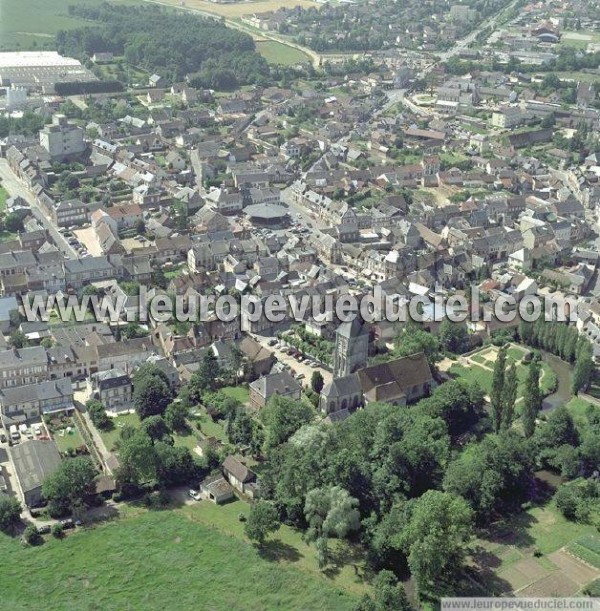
x: 562, y: 370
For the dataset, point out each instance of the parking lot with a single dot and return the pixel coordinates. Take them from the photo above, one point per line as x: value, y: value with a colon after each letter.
x: 300, y: 368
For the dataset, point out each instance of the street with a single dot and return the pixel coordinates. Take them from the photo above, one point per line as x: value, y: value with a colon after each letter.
x: 14, y: 187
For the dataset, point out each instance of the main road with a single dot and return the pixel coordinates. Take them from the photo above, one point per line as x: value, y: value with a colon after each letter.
x: 15, y: 187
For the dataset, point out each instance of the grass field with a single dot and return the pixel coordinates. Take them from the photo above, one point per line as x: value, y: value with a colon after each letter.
x: 286, y: 546
x: 31, y: 24
x: 278, y: 53
x: 157, y: 560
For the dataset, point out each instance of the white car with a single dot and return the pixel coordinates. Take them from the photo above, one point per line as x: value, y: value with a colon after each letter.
x: 194, y: 494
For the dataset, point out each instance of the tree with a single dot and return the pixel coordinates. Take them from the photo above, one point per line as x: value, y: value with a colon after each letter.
x: 176, y: 415
x: 239, y: 427
x: 155, y: 427
x: 10, y: 512
x: 13, y: 223
x: 137, y: 459
x: 262, y: 520
x: 151, y: 392
x: 31, y: 535
x: 495, y: 476
x: 509, y: 396
x: 388, y: 595
x: 414, y: 339
x: 17, y: 339
x: 206, y: 377
x: 457, y: 402
x: 496, y: 398
x: 453, y: 336
x: 316, y: 381
x: 584, y: 366
x: 72, y: 483
x: 282, y: 417
x: 329, y: 511
x: 98, y: 415
x: 532, y: 399
x: 435, y: 537
x: 58, y: 530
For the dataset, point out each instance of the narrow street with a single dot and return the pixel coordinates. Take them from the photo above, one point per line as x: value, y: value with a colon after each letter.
x: 15, y: 187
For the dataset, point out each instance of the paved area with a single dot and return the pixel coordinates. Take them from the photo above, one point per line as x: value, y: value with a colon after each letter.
x: 297, y: 366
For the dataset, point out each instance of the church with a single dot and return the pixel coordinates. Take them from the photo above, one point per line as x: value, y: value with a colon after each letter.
x: 400, y: 381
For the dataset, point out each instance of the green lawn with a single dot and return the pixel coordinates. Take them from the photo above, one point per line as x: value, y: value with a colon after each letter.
x: 3, y: 198
x: 110, y: 437
x: 287, y: 546
x: 32, y: 24
x: 240, y: 393
x: 71, y: 440
x: 209, y: 428
x: 157, y: 560
x: 483, y: 376
x: 278, y: 53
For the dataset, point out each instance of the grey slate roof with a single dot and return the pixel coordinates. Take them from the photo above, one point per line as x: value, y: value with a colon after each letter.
x: 34, y: 461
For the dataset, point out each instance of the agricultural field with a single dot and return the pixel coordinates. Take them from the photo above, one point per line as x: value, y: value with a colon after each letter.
x: 155, y: 560
x: 236, y: 10
x: 479, y: 367
x: 32, y: 24
x: 537, y: 553
x: 278, y: 53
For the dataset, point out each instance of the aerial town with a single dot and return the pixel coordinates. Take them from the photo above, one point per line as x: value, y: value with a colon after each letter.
x: 277, y: 152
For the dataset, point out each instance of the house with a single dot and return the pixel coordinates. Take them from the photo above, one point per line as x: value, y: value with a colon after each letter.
x: 23, y: 366
x: 112, y: 388
x: 8, y: 308
x: 33, y: 461
x: 215, y: 488
x: 260, y: 360
x: 34, y: 400
x: 156, y: 80
x: 268, y: 386
x: 239, y: 476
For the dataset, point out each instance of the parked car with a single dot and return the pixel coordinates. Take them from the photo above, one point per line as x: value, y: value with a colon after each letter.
x: 194, y: 494
x: 44, y: 530
x: 68, y: 523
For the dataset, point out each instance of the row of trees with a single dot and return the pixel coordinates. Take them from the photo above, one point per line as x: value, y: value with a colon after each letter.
x: 563, y: 341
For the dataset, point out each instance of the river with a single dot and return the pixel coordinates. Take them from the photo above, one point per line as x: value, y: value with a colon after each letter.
x: 562, y: 370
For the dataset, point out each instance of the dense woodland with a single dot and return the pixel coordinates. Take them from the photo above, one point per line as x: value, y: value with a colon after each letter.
x: 172, y: 44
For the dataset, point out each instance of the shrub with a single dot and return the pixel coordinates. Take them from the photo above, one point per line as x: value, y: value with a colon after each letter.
x: 31, y: 536
x: 58, y: 530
